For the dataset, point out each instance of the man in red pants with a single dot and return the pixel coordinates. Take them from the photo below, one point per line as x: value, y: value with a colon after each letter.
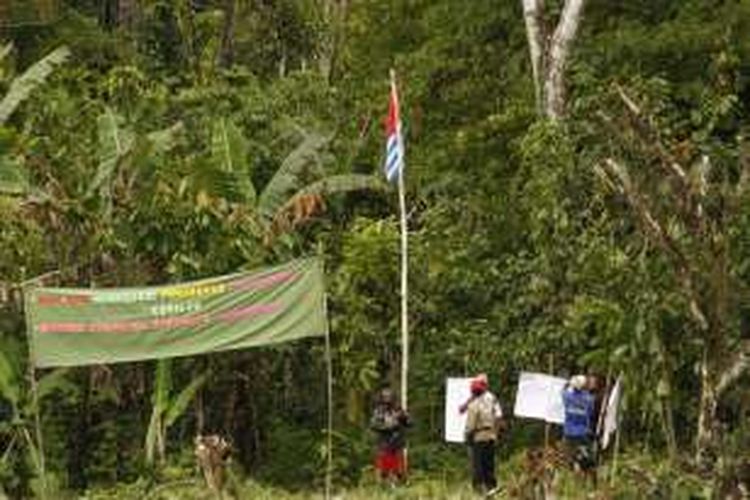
x: 389, y: 421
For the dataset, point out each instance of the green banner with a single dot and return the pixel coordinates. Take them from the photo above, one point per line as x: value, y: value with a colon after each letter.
x: 79, y: 326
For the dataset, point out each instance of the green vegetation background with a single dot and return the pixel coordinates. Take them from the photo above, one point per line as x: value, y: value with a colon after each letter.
x: 184, y: 139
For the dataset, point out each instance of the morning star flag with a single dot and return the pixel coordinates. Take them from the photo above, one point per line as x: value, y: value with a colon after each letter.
x: 394, y: 146
x: 81, y: 326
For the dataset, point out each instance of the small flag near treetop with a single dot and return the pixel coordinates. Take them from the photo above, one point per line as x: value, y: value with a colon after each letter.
x: 394, y: 149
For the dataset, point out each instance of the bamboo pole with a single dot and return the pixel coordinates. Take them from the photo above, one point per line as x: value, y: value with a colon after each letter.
x: 404, y: 275
x: 404, y: 297
x: 615, y: 454
x: 404, y: 282
x: 551, y: 368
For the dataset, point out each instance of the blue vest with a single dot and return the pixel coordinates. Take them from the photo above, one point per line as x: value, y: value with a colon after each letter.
x: 579, y: 411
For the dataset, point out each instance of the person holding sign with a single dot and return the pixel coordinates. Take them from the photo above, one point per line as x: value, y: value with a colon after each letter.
x: 389, y: 421
x: 482, y: 422
x: 579, y: 418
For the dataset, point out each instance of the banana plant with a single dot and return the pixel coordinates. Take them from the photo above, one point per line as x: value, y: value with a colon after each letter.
x: 13, y: 178
x: 18, y: 431
x: 296, y: 191
x: 25, y: 83
x: 119, y: 145
x: 167, y: 407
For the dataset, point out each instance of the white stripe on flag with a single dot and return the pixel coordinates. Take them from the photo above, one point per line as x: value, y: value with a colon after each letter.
x: 392, y: 169
x: 393, y: 155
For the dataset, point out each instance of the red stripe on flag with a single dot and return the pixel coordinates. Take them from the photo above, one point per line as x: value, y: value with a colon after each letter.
x: 393, y: 119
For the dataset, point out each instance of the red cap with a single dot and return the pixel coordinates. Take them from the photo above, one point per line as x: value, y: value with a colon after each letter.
x: 479, y: 383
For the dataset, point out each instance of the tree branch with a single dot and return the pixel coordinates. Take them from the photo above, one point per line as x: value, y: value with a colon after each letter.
x: 660, y: 237
x: 689, y: 199
x: 650, y: 137
x: 739, y: 365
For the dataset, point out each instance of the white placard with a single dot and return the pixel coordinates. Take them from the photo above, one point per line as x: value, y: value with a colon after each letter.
x: 540, y: 396
x: 611, y: 417
x: 457, y: 392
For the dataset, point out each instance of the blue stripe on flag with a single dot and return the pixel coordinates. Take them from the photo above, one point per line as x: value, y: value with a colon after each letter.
x: 391, y: 171
x: 394, y: 156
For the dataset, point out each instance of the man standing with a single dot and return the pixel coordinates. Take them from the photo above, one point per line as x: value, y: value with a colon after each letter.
x: 389, y: 421
x: 482, y: 421
x: 577, y: 429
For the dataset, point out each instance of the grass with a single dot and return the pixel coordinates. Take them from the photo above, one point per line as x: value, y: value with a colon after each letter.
x: 639, y: 476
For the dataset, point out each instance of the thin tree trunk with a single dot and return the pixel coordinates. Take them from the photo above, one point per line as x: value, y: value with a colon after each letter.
x: 229, y: 420
x: 335, y: 15
x: 667, y: 423
x: 4, y: 14
x: 200, y: 414
x: 706, y: 436
x: 226, y: 54
x: 79, y: 439
x: 327, y: 38
x: 126, y: 12
x: 282, y: 62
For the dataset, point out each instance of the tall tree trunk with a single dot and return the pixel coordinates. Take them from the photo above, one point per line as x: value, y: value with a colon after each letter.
x: 4, y: 14
x: 667, y: 424
x: 127, y: 11
x: 107, y: 14
x: 335, y: 14
x: 559, y: 53
x: 533, y: 13
x: 78, y: 441
x: 550, y: 53
x: 226, y: 54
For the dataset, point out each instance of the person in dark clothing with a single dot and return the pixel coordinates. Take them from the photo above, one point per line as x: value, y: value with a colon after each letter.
x: 389, y: 422
x: 579, y: 421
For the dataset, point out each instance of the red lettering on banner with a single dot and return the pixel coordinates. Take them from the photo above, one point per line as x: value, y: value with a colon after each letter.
x: 242, y: 312
x: 263, y: 282
x: 63, y: 300
x: 142, y: 325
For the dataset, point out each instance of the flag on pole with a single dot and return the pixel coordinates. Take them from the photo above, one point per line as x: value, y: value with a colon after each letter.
x: 394, y: 149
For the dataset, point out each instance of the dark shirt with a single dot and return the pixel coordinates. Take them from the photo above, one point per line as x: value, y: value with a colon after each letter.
x: 390, y: 424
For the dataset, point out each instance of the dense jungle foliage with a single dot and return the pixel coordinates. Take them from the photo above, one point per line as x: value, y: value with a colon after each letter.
x: 146, y: 142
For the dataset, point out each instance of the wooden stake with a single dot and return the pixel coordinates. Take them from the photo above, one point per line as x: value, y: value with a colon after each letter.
x: 329, y: 390
x: 551, y: 366
x: 35, y: 396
